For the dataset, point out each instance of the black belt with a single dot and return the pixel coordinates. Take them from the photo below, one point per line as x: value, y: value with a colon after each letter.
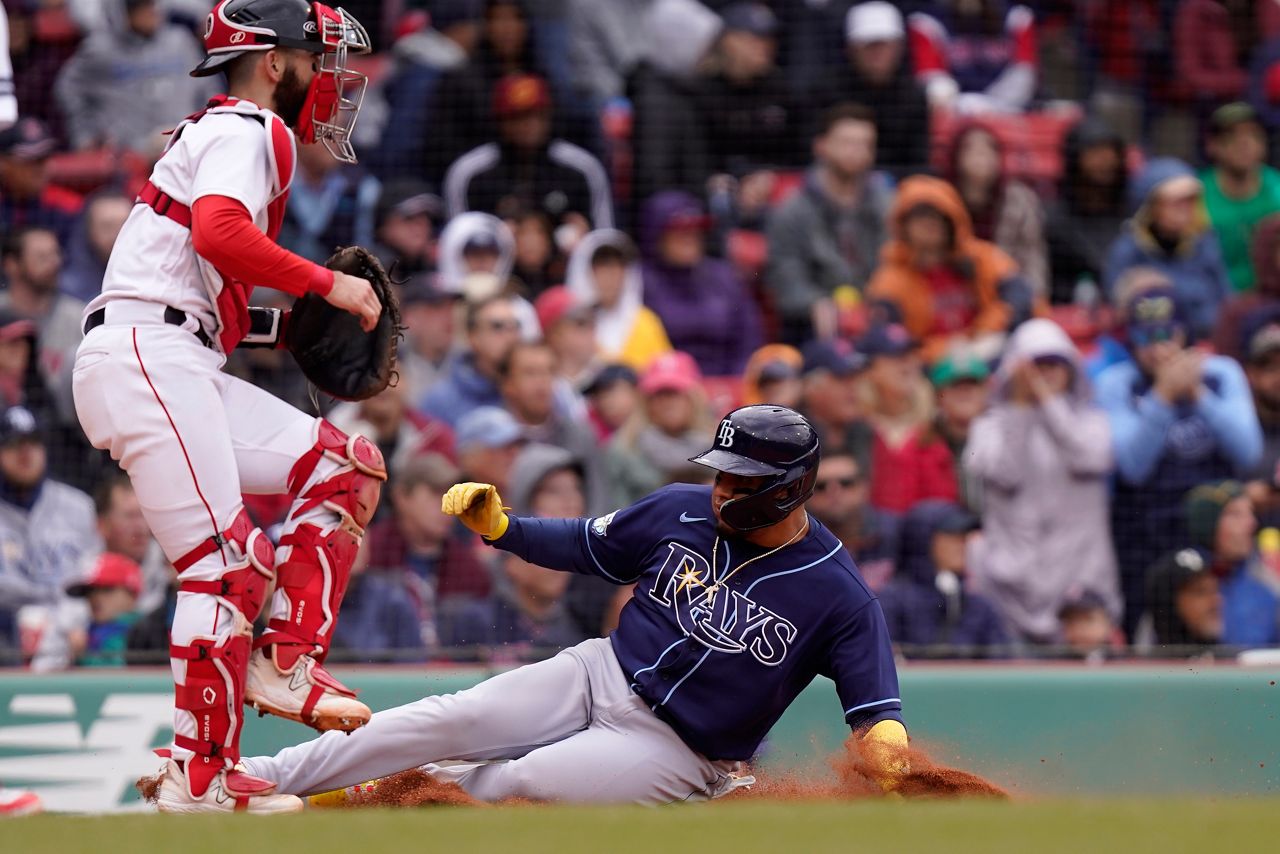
x: 172, y: 316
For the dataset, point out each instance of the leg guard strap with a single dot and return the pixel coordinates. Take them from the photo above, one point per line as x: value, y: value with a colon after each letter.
x: 245, y: 587
x: 238, y: 532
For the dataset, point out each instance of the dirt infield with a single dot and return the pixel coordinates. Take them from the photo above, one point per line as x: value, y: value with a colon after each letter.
x: 926, y: 779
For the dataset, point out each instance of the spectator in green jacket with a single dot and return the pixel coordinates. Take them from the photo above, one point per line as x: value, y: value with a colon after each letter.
x: 1240, y: 190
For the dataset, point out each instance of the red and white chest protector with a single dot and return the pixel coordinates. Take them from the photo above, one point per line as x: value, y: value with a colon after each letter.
x: 234, y: 149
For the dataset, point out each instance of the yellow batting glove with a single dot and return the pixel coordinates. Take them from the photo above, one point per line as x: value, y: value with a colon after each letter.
x: 885, y: 749
x: 479, y: 507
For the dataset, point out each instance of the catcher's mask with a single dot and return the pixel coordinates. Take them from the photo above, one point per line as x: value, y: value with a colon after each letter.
x: 772, y: 442
x: 333, y: 100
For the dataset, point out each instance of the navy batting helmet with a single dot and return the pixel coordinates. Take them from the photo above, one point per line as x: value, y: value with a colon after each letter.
x: 771, y: 442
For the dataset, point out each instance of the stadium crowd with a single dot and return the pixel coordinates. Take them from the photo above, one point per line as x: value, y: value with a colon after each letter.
x: 1019, y: 264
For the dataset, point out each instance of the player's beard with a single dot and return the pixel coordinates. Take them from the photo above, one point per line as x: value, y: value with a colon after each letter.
x: 291, y: 94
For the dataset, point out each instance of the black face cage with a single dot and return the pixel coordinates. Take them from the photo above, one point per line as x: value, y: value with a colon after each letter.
x: 345, y: 34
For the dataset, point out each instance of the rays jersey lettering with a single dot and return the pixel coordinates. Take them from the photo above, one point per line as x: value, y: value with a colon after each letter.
x: 720, y: 619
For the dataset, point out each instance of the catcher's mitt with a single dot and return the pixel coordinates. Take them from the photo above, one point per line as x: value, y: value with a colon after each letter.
x: 335, y: 354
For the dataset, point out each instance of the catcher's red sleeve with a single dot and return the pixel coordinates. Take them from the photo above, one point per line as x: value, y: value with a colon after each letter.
x: 223, y: 234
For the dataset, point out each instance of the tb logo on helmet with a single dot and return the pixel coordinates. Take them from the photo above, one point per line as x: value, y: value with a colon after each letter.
x: 725, y: 436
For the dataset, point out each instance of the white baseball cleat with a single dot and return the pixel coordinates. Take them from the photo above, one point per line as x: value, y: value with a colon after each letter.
x: 16, y: 802
x: 306, y: 693
x: 230, y: 791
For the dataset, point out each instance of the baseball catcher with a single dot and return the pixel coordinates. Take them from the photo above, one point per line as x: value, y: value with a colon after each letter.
x: 741, y: 598
x: 149, y: 387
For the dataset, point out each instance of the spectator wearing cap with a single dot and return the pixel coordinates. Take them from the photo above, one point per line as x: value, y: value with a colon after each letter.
x: 826, y: 239
x: 1185, y: 603
x: 613, y: 398
x: 531, y: 609
x: 26, y: 196
x: 949, y: 285
x: 463, y: 105
x: 1004, y: 210
x: 1043, y: 455
x: 752, y: 120
x: 471, y: 378
x: 1090, y: 208
x: 1240, y: 189
x: 1229, y: 338
x: 961, y: 395
x: 32, y: 261
x: 1178, y: 418
x: 95, y: 635
x: 489, y: 439
x: 529, y: 384
x: 1220, y: 528
x: 330, y: 204
x: 841, y: 502
x: 705, y: 307
x: 604, y: 271
x: 773, y: 375
x: 569, y: 327
x: 929, y: 606
x: 47, y: 528
x: 526, y: 167
x: 831, y: 399
x: 425, y: 588
x: 405, y: 222
x: 1169, y: 232
x: 1261, y: 354
x: 653, y: 449
x: 670, y: 137
x: 909, y: 463
x: 976, y: 57
x: 429, y: 313
x: 124, y: 531
x: 104, y: 214
x: 878, y: 75
x: 128, y: 79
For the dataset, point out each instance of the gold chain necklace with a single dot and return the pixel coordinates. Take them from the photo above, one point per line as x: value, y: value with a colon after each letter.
x: 715, y: 587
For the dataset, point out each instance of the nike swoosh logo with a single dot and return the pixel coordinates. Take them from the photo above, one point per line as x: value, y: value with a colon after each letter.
x: 685, y: 517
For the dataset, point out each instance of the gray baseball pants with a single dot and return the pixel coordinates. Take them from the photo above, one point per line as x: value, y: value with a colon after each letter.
x: 569, y: 728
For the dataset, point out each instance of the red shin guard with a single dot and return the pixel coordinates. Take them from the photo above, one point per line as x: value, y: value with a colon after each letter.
x: 314, y: 573
x: 213, y: 691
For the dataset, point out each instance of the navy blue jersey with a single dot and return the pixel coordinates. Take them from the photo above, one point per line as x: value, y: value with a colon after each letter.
x: 722, y: 668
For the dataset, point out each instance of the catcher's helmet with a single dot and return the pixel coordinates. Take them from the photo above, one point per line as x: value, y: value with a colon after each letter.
x: 765, y: 441
x: 235, y: 27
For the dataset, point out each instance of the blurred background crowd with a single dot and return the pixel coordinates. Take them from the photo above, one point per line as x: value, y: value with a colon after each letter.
x: 1019, y: 264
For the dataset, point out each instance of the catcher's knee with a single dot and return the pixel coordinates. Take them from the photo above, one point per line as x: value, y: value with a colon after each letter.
x: 352, y: 489
x: 245, y: 583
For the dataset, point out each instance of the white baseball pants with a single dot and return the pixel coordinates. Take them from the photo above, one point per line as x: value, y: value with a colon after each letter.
x: 192, y: 439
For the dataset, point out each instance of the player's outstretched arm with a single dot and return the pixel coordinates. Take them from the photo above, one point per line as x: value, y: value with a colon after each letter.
x: 563, y: 544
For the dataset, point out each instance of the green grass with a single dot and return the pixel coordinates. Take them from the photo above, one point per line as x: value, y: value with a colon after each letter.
x: 1129, y: 826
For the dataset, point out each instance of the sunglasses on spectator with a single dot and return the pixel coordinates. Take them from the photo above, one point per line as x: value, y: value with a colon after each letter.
x: 842, y: 482
x: 499, y: 325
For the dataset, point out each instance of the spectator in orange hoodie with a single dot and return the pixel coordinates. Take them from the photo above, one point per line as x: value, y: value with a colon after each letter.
x: 947, y: 283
